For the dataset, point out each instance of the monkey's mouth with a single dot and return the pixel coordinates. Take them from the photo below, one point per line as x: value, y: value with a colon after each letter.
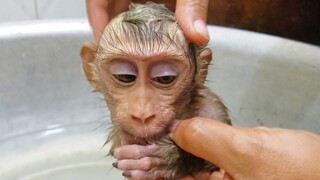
x: 146, y: 139
x: 145, y: 133
x: 141, y: 141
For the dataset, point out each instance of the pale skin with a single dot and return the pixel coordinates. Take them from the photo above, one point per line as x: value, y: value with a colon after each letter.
x: 251, y: 155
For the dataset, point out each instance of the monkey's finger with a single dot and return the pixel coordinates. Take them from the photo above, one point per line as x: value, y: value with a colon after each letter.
x: 192, y: 18
x: 218, y: 175
x: 202, y: 175
x: 135, y: 151
x: 144, y: 175
x: 145, y: 164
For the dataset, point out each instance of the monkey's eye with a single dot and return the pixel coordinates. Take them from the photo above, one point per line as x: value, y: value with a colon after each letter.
x: 123, y: 72
x: 125, y: 78
x: 163, y: 73
x: 164, y: 79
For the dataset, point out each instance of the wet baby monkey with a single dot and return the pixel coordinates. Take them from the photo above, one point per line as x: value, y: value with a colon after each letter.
x: 150, y: 75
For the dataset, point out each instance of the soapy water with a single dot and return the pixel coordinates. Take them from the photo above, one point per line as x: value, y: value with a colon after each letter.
x: 61, y: 153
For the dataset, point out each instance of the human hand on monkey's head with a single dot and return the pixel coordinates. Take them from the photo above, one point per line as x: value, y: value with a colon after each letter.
x: 250, y: 153
x: 191, y: 15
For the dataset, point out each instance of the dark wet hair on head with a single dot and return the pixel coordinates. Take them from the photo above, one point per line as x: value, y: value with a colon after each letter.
x: 144, y: 29
x: 151, y: 12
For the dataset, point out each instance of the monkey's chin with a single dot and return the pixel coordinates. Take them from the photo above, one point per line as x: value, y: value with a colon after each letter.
x: 145, y: 136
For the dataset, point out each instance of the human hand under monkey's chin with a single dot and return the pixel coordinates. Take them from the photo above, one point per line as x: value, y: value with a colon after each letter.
x: 149, y: 74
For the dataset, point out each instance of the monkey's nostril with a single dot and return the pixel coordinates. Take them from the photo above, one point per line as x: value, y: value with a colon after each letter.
x: 143, y: 119
x: 150, y: 118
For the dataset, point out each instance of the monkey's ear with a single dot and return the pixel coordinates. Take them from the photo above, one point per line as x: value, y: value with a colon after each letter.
x: 87, y: 54
x: 205, y: 58
x: 206, y: 55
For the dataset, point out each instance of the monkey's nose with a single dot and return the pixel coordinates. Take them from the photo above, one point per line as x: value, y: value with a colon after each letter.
x: 143, y: 117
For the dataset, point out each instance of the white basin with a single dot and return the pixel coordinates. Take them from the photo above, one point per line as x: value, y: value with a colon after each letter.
x: 53, y: 127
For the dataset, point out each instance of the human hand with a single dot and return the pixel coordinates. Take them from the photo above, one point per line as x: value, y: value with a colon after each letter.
x: 250, y: 153
x: 191, y: 15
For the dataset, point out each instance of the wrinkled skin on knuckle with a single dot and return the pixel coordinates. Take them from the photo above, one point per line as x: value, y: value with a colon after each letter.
x: 145, y: 158
x: 138, y: 152
x: 193, y: 7
x: 133, y: 151
x: 201, y: 5
x: 154, y: 162
x: 148, y: 163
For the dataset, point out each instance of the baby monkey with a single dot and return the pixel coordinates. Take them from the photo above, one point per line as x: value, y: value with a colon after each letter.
x: 150, y: 75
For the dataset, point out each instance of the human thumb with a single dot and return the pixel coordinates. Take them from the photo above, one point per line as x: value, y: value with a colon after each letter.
x: 192, y: 17
x: 206, y: 138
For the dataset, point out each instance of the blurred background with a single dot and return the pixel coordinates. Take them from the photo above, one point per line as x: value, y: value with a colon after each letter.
x: 21, y: 10
x: 294, y: 19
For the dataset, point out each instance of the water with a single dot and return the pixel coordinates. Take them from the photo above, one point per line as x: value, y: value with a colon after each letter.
x: 84, y: 171
x: 61, y: 153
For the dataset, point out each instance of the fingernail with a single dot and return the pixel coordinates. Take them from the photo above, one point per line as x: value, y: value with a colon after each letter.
x: 115, y: 164
x: 201, y: 28
x: 126, y: 174
x: 173, y: 125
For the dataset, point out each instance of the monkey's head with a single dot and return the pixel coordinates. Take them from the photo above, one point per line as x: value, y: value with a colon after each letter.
x: 146, y: 70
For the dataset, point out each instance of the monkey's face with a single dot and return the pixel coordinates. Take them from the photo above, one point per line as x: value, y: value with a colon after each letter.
x: 145, y: 90
x: 143, y: 65
x: 142, y: 90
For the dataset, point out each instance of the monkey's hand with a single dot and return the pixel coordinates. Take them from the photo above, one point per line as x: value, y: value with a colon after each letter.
x: 161, y: 160
x: 141, y: 162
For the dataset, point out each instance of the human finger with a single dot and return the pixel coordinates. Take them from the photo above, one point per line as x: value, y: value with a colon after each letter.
x: 250, y: 153
x: 100, y: 12
x: 97, y: 15
x: 205, y: 138
x: 192, y: 18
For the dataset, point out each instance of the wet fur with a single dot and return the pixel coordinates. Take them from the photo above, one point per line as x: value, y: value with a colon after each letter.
x: 197, y: 99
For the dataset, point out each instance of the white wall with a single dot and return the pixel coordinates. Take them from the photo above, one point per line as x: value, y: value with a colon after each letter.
x: 21, y: 10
